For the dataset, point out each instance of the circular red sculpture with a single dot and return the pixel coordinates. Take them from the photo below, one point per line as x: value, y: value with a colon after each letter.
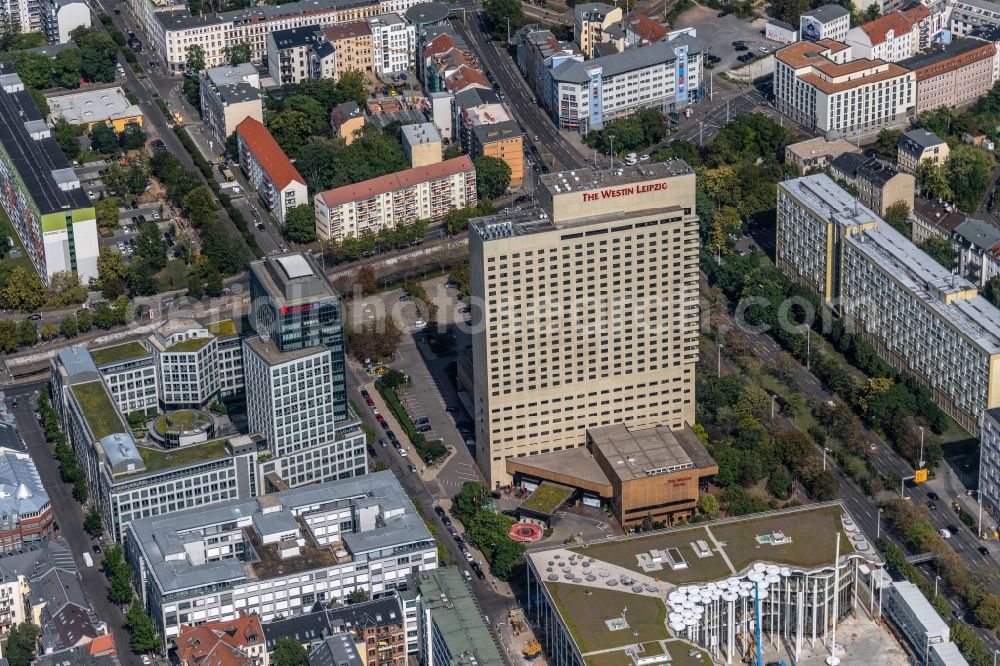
x: 525, y: 532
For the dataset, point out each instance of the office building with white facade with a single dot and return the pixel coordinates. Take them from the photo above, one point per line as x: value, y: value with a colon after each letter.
x: 279, y: 555
x: 891, y: 37
x: 969, y: 15
x: 229, y: 95
x: 666, y: 75
x: 545, y: 374
x: 819, y: 86
x: 186, y: 355
x: 917, y: 315
x: 830, y: 21
x: 130, y: 373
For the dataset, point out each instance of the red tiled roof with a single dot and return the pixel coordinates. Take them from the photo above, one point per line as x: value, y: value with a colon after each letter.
x: 396, y: 181
x: 270, y: 155
x: 466, y: 76
x: 646, y: 28
x: 878, y: 30
x: 439, y: 44
x: 916, y: 13
x: 347, y: 30
x: 219, y: 643
x: 102, y: 646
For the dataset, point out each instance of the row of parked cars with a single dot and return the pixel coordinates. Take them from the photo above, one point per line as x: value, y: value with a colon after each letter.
x: 460, y: 541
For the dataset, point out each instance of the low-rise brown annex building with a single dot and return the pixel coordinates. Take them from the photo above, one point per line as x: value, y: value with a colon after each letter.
x: 653, y: 473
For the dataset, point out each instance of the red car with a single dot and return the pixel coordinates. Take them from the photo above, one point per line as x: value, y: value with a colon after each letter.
x: 381, y: 419
x: 371, y: 403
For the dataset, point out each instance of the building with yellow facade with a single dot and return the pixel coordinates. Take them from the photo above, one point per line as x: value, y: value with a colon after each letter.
x: 108, y: 105
x: 596, y: 23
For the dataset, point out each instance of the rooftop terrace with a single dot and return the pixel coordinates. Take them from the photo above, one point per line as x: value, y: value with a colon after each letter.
x: 546, y: 498
x: 157, y: 460
x: 95, y: 403
x: 118, y: 353
x: 189, y: 345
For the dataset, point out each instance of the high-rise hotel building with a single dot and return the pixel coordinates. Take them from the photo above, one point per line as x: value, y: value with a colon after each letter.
x: 586, y: 311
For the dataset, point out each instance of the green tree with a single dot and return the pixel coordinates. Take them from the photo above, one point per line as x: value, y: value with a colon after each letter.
x: 468, y: 501
x: 132, y: 137
x: 27, y: 333
x: 708, y: 505
x: 93, y: 524
x: 228, y: 257
x: 200, y: 206
x: 289, y: 652
x: 886, y: 144
x: 897, y: 215
x: 492, y: 177
x: 34, y: 69
x: 111, y: 272
x: 103, y: 138
x: 970, y: 172
x: 23, y: 291
x: 352, y: 87
x: 940, y: 250
x: 290, y: 129
x: 65, y: 289
x: 142, y: 630
x: 107, y: 212
x: 503, y: 17
x: 67, y: 66
x: 194, y: 58
x: 20, y: 646
x: 933, y: 181
x: 300, y: 224
x: 84, y: 320
x: 98, y: 54
x: 313, y: 111
x: 237, y: 54
x: 988, y: 612
x: 8, y: 335
x: 68, y: 138
x: 68, y: 327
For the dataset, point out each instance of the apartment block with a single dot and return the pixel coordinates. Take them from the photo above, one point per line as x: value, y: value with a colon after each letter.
x: 917, y: 315
x: 891, y: 37
x: 230, y: 95
x: 641, y: 30
x: 918, y: 145
x: 394, y: 43
x: 977, y: 250
x: 581, y: 96
x: 989, y: 462
x: 352, y: 43
x: 544, y: 374
x: 422, y: 193
x: 879, y: 183
x: 277, y: 556
x: 592, y: 23
x: 130, y: 373
x: 235, y: 642
x: 186, y: 356
x: 452, y: 631
x: 485, y: 127
x: 229, y: 335
x: 421, y: 144
x: 346, y: 120
x: 818, y: 85
x: 930, y: 218
x: 24, y: 504
x: 831, y: 21
x: 278, y: 183
x: 40, y: 192
x: 953, y: 75
x: 292, y: 54
x: 539, y: 52
x: 969, y: 15
x: 813, y: 216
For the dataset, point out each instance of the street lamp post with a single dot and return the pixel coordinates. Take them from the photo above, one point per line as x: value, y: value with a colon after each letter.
x: 936, y: 579
x: 995, y: 653
x: 825, y: 449
x: 878, y: 524
x: 719, y: 369
x: 808, y: 350
x: 773, y: 398
x: 611, y: 138
x: 921, y: 463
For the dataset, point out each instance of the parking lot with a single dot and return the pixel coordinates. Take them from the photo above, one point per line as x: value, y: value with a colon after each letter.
x: 719, y: 32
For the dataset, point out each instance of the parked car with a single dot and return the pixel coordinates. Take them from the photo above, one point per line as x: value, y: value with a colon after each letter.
x: 382, y: 443
x: 425, y: 428
x: 438, y: 510
x: 933, y: 496
x: 402, y: 451
x: 365, y: 394
x: 945, y: 533
x: 746, y: 57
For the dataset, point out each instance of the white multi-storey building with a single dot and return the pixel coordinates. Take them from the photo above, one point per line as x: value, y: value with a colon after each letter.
x: 229, y: 95
x: 830, y: 21
x: 423, y: 193
x: 230, y: 356
x: 582, y: 96
x: 818, y: 85
x: 989, y: 462
x: 394, y: 42
x: 892, y: 37
x: 186, y: 356
x: 129, y: 370
x: 278, y: 183
x: 917, y: 315
x: 968, y: 15
x: 278, y: 556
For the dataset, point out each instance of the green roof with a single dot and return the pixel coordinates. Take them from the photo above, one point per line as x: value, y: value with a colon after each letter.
x: 457, y: 616
x: 223, y: 329
x: 189, y: 345
x: 546, y: 498
x: 118, y: 353
x: 98, y: 409
x: 157, y: 460
x: 182, y: 420
x: 586, y: 609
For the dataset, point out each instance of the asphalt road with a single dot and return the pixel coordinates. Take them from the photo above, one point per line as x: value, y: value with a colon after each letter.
x: 69, y: 515
x: 498, y: 62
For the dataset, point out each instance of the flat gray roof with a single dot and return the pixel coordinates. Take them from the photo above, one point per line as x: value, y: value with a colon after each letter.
x: 166, y: 536
x: 641, y: 453
x: 827, y: 13
x: 93, y: 106
x: 980, y: 233
x: 828, y: 200
x: 292, y: 279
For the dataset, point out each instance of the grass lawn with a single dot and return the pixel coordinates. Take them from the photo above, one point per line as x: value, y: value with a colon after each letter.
x: 623, y: 553
x: 173, y: 276
x: 224, y: 329
x: 183, y: 419
x: 118, y: 353
x: 803, y: 418
x: 811, y: 532
x: 158, y: 459
x: 100, y: 412
x: 189, y: 345
x: 677, y: 650
x: 546, y: 498
x: 585, y: 615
